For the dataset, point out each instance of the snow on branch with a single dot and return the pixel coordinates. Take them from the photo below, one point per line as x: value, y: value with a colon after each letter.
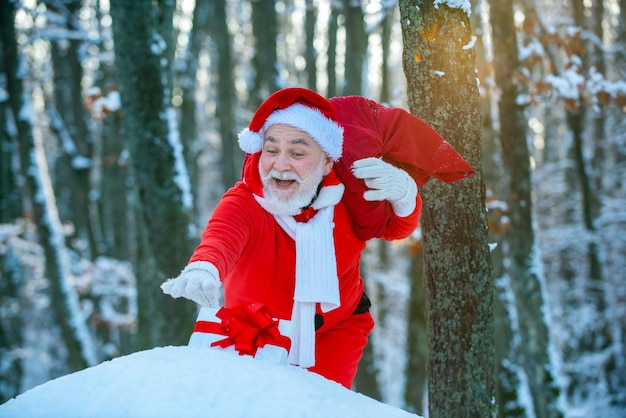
x: 182, y: 176
x: 464, y: 5
x: 564, y: 57
x: 52, y: 222
x: 102, y: 105
x: 79, y: 162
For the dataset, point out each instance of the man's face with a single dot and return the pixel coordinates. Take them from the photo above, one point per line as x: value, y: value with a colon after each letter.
x: 292, y: 165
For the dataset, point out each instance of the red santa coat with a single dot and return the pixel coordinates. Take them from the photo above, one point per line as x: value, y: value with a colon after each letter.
x: 256, y: 257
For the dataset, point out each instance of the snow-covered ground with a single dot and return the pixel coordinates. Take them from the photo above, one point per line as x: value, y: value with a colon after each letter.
x: 193, y: 382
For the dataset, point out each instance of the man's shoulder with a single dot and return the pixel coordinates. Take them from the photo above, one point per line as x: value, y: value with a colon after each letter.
x: 240, y: 191
x: 240, y: 196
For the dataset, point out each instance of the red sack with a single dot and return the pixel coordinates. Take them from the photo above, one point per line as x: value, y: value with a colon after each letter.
x: 399, y: 138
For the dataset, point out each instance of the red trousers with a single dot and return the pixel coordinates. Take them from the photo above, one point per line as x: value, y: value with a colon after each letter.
x: 339, y: 349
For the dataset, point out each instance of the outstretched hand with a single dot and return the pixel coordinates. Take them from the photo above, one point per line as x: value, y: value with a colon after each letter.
x: 198, y: 282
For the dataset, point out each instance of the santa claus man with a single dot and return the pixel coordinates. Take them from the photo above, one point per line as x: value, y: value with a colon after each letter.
x: 289, y: 236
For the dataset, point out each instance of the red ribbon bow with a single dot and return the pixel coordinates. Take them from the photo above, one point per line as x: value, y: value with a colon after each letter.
x: 246, y: 327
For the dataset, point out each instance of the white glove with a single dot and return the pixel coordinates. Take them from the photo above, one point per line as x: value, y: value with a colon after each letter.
x: 199, y: 282
x: 387, y: 182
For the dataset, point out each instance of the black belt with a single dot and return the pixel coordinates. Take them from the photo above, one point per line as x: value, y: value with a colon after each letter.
x: 364, y: 306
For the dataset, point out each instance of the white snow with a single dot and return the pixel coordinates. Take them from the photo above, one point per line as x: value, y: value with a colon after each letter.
x: 182, y: 176
x: 4, y: 95
x: 181, y: 381
x: 114, y: 101
x: 532, y: 48
x: 569, y: 84
x: 464, y: 5
x: 470, y: 44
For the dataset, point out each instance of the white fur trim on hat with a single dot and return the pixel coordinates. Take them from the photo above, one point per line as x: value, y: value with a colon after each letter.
x: 327, y: 133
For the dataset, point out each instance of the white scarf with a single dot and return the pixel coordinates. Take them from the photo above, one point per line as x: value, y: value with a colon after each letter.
x: 316, y: 273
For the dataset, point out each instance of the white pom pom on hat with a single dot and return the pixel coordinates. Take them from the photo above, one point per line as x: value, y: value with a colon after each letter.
x: 301, y: 108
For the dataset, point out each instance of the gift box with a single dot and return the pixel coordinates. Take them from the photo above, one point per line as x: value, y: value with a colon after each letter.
x: 245, y: 330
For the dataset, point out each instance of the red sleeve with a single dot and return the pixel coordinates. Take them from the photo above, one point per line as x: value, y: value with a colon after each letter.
x: 399, y: 228
x: 401, y: 139
x: 228, y: 231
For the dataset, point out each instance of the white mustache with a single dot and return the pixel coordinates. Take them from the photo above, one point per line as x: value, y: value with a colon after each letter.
x: 285, y: 175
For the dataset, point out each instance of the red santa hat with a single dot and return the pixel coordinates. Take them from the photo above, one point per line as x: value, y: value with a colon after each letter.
x: 302, y: 109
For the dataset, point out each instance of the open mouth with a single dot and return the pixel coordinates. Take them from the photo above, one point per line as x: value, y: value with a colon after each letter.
x: 283, y: 184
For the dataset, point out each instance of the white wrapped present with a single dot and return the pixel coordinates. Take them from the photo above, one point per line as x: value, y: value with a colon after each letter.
x: 246, y: 330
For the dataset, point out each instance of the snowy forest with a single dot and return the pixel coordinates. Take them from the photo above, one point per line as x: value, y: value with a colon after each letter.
x: 118, y: 131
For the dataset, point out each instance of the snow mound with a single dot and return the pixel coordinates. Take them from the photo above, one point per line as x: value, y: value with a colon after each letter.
x: 193, y: 382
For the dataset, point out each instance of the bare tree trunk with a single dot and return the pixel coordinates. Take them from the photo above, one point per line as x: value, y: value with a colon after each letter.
x: 310, y: 52
x: 331, y: 53
x: 69, y: 121
x: 590, y: 187
x: 621, y: 36
x: 366, y: 381
x: 442, y: 90
x: 10, y: 208
x: 187, y: 79
x: 264, y: 28
x: 533, y: 352
x: 356, y: 46
x: 385, y: 39
x: 10, y: 202
x: 417, y: 335
x: 65, y: 303
x: 10, y: 324
x: 114, y: 190
x: 618, y: 357
x: 139, y: 52
x: 600, y: 140
x: 225, y: 96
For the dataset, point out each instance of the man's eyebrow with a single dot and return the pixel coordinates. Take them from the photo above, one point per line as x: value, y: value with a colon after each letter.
x: 294, y: 141
x: 302, y: 141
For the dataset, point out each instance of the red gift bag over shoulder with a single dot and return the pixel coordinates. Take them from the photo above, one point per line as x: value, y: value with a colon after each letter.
x: 399, y: 138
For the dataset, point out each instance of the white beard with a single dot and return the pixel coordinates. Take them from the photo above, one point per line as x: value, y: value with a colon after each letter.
x: 290, y: 203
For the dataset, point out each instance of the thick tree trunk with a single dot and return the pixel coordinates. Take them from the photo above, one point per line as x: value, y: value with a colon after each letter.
x: 139, y: 52
x: 10, y: 325
x: 10, y: 201
x: 10, y: 210
x: 439, y: 65
x: 114, y: 189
